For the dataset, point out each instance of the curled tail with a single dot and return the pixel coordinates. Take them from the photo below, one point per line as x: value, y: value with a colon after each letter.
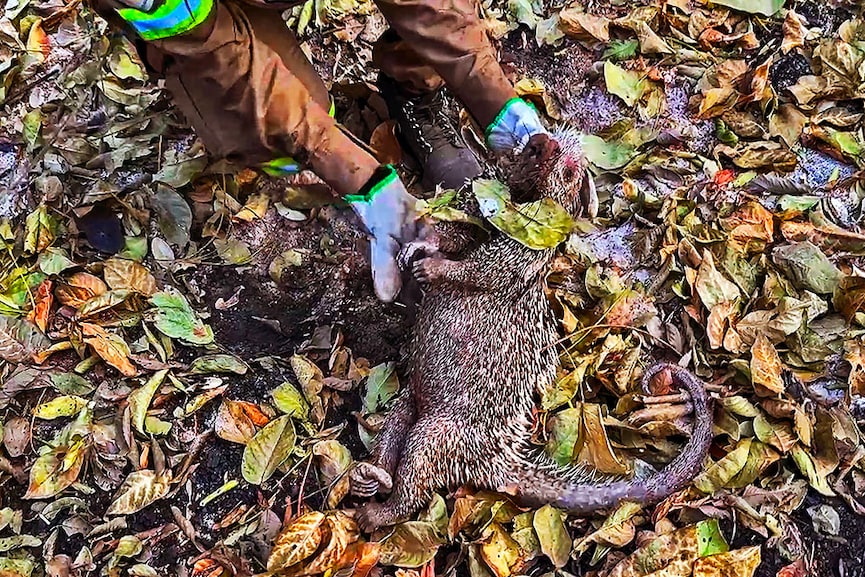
x: 542, y: 481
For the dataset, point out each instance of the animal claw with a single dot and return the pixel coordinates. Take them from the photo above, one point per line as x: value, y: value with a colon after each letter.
x: 367, y: 479
x: 413, y: 251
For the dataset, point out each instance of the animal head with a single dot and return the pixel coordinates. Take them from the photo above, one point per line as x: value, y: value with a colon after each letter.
x: 553, y: 165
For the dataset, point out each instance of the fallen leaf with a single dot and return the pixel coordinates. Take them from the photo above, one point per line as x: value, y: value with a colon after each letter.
x: 606, y: 155
x: 617, y: 530
x: 807, y: 267
x: 628, y: 85
x: 268, y: 450
x: 553, y: 536
x: 110, y: 347
x: 538, y: 225
x: 63, y: 406
x: 79, y: 288
x: 176, y: 319
x: 385, y: 144
x: 764, y: 7
x: 411, y: 544
x: 140, y: 399
x: 20, y: 340
x: 766, y: 366
x: 140, y: 490
x: 298, y: 541
x: 40, y: 230
x: 127, y: 274
x: 738, y: 563
x: 56, y: 470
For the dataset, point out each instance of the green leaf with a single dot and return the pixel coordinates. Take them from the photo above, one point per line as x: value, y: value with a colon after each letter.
x: 40, y: 229
x: 606, y: 155
x: 268, y: 449
x: 176, y: 319
x: 71, y: 384
x: 289, y: 400
x: 538, y: 225
x: 179, y: 168
x: 16, y: 567
x: 552, y: 535
x: 19, y: 541
x: 411, y: 544
x: 53, y: 261
x: 807, y: 266
x: 139, y: 399
x: 173, y: 214
x: 219, y: 363
x: 710, y: 540
x: 764, y: 7
x: 20, y: 340
x: 620, y: 50
x: 32, y: 126
x: 381, y: 386
x: 565, y: 428
x: 134, y: 248
x: 627, y: 85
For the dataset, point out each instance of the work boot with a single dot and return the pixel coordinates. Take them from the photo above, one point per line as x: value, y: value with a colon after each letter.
x: 430, y: 135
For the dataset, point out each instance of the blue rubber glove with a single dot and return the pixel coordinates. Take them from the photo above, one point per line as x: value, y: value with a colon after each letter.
x: 517, y: 122
x: 389, y: 214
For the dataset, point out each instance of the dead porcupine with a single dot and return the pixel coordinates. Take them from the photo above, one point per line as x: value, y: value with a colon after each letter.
x: 483, y: 345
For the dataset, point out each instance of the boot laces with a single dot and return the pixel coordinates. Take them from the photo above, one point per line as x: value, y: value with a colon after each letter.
x: 426, y: 114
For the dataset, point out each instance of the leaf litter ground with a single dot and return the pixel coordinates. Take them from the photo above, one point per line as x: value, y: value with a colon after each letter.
x: 191, y: 404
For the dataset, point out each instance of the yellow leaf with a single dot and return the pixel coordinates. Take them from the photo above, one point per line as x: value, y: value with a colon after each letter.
x: 254, y: 209
x: 553, y: 536
x: 140, y: 489
x: 736, y: 563
x: 232, y: 423
x: 298, y: 541
x: 55, y: 470
x: 63, y: 406
x: 139, y: 399
x: 499, y: 550
x: 766, y: 366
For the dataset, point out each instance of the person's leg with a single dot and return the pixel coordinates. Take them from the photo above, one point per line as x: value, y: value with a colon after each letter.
x: 413, y: 92
x: 449, y: 36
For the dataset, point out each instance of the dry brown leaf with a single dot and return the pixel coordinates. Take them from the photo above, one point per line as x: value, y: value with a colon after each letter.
x: 232, y: 422
x: 298, y: 541
x: 794, y: 31
x: 582, y: 25
x: 120, y: 273
x: 716, y: 324
x: 111, y: 348
x: 79, y: 288
x: 385, y: 143
x: 766, y: 367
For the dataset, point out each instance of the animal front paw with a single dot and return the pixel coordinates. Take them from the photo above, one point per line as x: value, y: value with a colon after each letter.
x: 368, y: 479
x: 427, y: 271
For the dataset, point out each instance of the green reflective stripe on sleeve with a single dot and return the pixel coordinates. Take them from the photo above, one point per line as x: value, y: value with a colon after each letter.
x: 281, y: 166
x: 367, y: 196
x: 172, y: 18
x: 332, y: 111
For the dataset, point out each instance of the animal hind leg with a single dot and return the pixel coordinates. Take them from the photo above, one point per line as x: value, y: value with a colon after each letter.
x: 376, y: 476
x: 421, y: 471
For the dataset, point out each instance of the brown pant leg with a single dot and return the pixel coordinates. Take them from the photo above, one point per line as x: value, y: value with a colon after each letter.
x: 246, y: 104
x: 398, y: 60
x: 450, y: 37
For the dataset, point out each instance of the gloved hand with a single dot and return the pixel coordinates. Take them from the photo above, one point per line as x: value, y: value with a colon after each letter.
x: 515, y: 124
x: 389, y: 213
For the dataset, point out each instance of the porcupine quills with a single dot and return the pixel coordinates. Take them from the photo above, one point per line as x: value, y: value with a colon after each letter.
x: 483, y: 345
